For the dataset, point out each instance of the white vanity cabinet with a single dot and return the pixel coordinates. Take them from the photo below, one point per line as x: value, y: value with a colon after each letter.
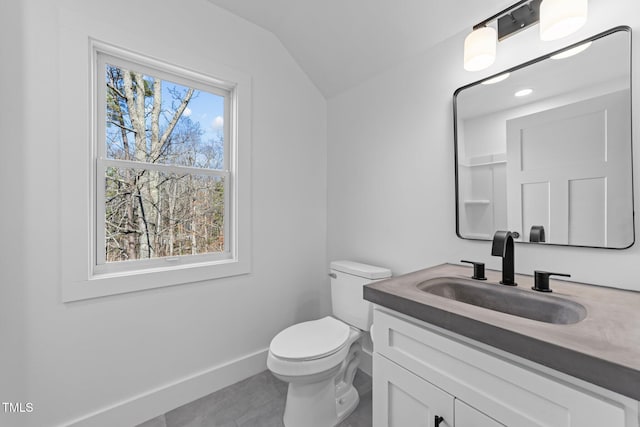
x: 421, y: 371
x: 466, y: 416
x: 403, y: 399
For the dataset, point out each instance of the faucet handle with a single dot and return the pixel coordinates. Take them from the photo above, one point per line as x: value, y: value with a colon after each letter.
x: 541, y: 280
x: 478, y: 269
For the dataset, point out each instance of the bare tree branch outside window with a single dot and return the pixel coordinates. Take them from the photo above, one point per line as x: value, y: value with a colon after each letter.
x: 149, y: 212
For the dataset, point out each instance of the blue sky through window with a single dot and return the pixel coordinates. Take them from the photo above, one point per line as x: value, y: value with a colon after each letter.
x: 204, y: 108
x: 200, y: 129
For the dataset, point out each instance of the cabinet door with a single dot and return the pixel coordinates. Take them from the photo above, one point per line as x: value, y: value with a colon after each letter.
x: 505, y: 391
x: 466, y: 416
x: 403, y: 399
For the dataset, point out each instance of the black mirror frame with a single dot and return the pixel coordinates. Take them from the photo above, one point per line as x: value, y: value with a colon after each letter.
x: 526, y: 64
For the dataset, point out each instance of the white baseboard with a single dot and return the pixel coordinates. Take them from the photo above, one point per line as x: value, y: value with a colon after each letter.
x: 145, y: 406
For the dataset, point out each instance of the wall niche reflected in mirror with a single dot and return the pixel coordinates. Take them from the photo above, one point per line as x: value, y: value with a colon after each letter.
x: 544, y: 149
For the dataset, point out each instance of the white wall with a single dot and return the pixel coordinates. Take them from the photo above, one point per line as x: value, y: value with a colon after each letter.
x: 83, y: 357
x: 12, y: 224
x: 390, y: 162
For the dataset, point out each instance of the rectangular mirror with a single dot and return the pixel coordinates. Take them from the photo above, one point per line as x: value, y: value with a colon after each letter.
x: 544, y: 149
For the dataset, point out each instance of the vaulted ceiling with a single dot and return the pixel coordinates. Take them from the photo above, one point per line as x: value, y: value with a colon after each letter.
x: 340, y: 43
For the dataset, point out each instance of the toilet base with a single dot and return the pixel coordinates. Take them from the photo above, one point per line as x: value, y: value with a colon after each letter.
x: 316, y: 405
x: 346, y: 404
x: 325, y: 403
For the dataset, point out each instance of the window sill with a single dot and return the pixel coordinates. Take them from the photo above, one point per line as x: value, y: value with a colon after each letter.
x: 101, y: 285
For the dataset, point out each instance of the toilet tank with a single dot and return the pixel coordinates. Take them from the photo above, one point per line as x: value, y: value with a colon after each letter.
x: 347, y: 280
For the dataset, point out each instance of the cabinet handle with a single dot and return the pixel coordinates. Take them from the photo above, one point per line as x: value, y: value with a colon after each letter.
x: 438, y: 420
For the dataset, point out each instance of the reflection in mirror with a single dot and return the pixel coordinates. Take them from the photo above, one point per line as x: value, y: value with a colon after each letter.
x: 544, y: 149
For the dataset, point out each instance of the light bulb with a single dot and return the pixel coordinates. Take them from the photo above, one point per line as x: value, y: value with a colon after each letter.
x: 559, y: 18
x: 496, y: 79
x: 523, y: 92
x: 480, y: 49
x: 573, y: 51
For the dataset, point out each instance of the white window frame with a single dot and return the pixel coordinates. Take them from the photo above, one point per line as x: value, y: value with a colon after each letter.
x: 187, y: 79
x: 84, y: 273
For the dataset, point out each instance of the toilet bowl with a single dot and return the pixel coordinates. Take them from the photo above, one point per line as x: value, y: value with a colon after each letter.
x: 319, y: 358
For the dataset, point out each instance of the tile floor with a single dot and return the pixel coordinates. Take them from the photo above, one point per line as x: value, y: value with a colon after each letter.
x: 257, y: 401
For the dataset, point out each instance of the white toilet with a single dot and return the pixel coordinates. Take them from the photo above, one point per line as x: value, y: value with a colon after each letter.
x: 319, y: 358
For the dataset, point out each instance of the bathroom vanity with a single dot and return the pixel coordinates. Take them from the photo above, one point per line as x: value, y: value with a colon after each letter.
x: 441, y: 361
x: 555, y: 168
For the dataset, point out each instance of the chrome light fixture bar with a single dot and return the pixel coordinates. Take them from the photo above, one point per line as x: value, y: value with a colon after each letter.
x: 558, y: 18
x: 518, y: 17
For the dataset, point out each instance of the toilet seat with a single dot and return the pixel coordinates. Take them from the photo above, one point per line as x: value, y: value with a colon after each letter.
x: 310, y: 360
x: 311, y: 340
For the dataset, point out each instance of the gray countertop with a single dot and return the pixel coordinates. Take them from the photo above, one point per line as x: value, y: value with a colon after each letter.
x: 603, y: 348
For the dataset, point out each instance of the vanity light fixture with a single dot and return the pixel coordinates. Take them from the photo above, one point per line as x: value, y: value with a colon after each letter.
x: 523, y: 92
x: 558, y: 18
x: 480, y: 48
x: 573, y: 51
x: 497, y: 79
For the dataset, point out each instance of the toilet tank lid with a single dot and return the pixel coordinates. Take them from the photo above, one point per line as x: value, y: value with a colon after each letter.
x: 361, y: 270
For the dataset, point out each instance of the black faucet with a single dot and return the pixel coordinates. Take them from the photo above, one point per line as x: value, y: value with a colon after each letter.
x: 503, y: 247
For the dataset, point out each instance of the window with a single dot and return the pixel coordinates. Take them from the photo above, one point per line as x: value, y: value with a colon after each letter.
x: 156, y: 177
x: 163, y: 181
